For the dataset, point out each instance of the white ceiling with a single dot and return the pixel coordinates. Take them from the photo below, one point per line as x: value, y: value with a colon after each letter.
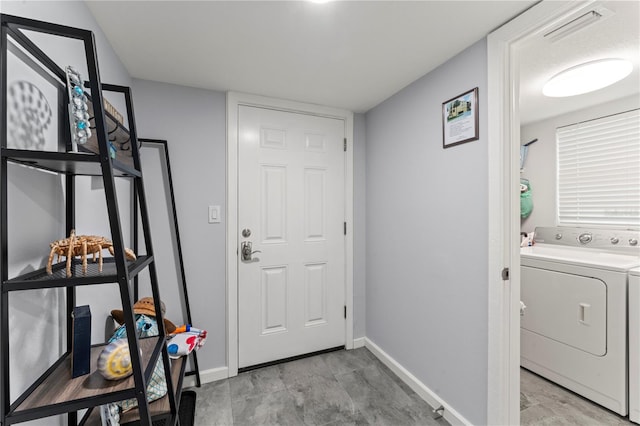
x: 614, y: 36
x: 346, y: 54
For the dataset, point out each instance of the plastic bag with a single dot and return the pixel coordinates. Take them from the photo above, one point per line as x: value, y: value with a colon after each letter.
x: 526, y: 202
x: 157, y: 385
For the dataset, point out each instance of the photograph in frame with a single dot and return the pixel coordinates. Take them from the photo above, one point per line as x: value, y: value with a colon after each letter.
x: 460, y: 119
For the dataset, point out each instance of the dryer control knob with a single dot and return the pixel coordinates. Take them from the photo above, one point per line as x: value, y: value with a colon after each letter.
x: 633, y: 242
x: 585, y: 238
x: 558, y: 236
x: 614, y: 240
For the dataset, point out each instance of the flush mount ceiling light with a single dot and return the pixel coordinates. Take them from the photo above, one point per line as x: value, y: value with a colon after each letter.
x: 587, y: 77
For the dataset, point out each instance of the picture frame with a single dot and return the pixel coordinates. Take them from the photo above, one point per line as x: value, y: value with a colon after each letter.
x: 460, y: 119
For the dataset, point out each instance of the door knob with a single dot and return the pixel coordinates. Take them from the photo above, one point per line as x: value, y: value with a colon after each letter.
x: 246, y: 251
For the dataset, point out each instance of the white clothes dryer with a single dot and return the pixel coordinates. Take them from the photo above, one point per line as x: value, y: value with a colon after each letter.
x: 574, y: 329
x: 634, y: 345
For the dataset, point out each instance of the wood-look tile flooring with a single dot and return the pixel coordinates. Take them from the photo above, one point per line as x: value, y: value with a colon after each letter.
x: 337, y: 388
x: 544, y: 403
x: 355, y: 388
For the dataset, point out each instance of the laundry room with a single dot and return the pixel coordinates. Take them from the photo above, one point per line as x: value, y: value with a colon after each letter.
x: 579, y: 194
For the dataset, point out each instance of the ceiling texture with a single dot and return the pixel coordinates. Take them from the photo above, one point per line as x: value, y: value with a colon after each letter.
x: 351, y: 54
x: 345, y: 54
x: 615, y: 35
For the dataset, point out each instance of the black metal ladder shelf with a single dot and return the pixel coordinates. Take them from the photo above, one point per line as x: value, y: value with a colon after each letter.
x: 55, y: 392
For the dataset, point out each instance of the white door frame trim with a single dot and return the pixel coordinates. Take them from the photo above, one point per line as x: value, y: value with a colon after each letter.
x: 234, y: 100
x: 503, y: 396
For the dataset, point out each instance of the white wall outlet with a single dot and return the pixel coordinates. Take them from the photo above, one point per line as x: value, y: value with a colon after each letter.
x: 214, y: 214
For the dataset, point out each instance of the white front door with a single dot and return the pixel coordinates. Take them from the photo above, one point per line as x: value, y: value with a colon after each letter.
x: 291, y: 196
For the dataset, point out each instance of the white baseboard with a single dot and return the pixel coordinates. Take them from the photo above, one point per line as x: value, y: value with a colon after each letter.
x: 359, y: 342
x: 451, y: 415
x: 207, y: 376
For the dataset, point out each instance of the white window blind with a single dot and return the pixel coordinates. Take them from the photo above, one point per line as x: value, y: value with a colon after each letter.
x: 599, y: 172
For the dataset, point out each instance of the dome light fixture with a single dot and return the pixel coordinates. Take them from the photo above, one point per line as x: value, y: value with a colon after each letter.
x: 587, y: 77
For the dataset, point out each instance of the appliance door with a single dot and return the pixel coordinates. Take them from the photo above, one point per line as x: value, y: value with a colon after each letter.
x: 634, y: 348
x: 569, y: 309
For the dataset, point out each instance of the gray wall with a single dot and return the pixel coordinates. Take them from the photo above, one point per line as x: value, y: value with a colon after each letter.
x: 193, y: 123
x: 36, y: 211
x: 163, y: 235
x: 74, y: 14
x: 426, y: 264
x: 359, y: 217
x: 540, y: 165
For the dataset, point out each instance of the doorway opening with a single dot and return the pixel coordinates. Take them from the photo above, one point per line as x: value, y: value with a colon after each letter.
x: 505, y: 49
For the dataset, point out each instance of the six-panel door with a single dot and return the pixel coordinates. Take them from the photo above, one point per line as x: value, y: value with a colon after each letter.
x: 291, y: 294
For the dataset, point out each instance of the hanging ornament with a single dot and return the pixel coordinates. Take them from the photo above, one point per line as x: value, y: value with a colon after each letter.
x: 78, y: 108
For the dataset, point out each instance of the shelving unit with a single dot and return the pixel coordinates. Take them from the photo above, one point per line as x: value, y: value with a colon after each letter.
x: 160, y: 410
x: 55, y: 392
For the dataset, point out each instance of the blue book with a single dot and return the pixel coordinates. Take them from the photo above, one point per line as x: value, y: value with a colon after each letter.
x: 81, y: 345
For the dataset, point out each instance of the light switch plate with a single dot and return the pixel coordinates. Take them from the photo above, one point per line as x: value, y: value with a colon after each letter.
x: 214, y: 214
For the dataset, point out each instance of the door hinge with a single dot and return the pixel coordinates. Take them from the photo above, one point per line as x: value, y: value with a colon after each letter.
x: 345, y: 311
x: 345, y: 228
x: 345, y: 144
x: 505, y: 274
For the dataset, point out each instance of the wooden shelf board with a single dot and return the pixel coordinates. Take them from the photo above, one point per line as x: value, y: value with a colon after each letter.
x: 158, y: 409
x: 59, y: 388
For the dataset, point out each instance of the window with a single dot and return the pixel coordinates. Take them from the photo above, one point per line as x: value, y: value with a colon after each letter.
x: 599, y: 172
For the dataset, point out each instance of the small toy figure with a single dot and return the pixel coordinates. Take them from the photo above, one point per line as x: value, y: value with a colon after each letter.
x: 145, y: 306
x: 82, y: 245
x: 185, y: 340
x: 114, y: 361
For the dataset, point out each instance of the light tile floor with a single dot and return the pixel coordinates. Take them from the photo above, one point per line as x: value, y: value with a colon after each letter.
x: 336, y: 388
x: 355, y: 388
x: 544, y: 403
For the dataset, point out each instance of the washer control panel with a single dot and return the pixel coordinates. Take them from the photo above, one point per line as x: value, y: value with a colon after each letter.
x: 607, y: 239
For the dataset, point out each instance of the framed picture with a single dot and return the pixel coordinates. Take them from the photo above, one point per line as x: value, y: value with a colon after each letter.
x: 460, y: 119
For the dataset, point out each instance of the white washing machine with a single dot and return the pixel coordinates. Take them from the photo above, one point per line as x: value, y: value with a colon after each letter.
x: 574, y: 327
x: 634, y: 345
